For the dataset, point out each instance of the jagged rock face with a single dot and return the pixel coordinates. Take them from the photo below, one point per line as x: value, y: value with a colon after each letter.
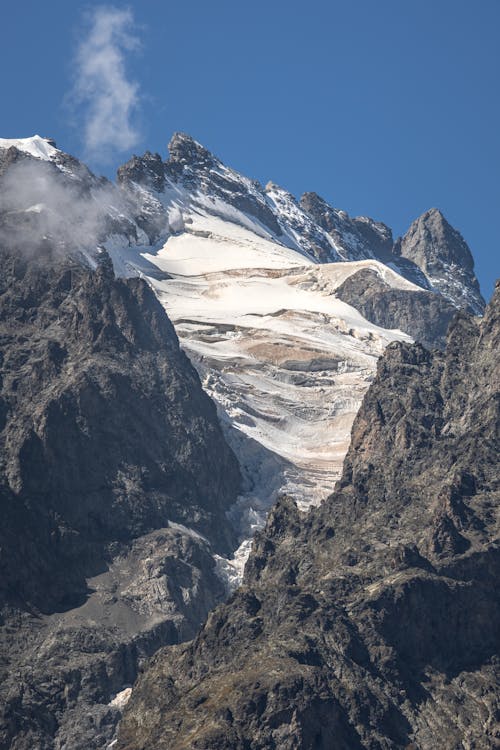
x: 59, y: 202
x: 198, y: 171
x: 361, y: 236
x: 372, y: 621
x: 141, y: 179
x: 107, y: 439
x: 148, y: 170
x: 106, y: 432
x: 185, y: 151
x: 443, y: 255
x: 64, y: 676
x: 423, y: 315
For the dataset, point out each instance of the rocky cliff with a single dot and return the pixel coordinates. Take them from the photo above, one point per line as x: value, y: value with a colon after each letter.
x: 373, y: 621
x: 442, y: 254
x: 422, y: 314
x: 114, y: 484
x: 115, y: 479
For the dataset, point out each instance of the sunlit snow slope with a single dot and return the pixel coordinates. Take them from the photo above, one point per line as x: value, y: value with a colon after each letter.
x: 249, y: 277
x: 285, y: 360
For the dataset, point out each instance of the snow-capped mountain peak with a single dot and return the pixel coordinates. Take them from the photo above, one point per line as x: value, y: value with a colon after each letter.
x: 283, y: 305
x: 40, y: 148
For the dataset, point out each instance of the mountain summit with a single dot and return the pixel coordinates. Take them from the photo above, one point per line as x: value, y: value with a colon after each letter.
x: 442, y: 254
x: 143, y: 452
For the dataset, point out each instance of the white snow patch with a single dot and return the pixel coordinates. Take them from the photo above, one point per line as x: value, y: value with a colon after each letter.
x: 231, y: 570
x: 36, y: 146
x: 121, y: 699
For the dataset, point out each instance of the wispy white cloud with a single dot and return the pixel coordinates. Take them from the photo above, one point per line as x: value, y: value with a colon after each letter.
x: 107, y: 97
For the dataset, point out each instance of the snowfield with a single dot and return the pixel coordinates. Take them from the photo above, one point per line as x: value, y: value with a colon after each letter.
x: 285, y: 360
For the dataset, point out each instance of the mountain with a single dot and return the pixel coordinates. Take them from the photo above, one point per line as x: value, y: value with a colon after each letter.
x: 373, y: 620
x: 115, y: 480
x: 129, y: 497
x: 432, y: 254
x: 283, y: 306
x: 442, y: 254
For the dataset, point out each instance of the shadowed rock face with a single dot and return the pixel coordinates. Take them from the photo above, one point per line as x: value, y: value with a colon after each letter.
x: 372, y: 621
x: 106, y: 432
x: 373, y: 238
x: 442, y: 254
x: 424, y: 315
x: 107, y: 439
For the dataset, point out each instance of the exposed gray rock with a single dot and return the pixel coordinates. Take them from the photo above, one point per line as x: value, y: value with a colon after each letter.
x: 197, y: 168
x: 423, y: 315
x: 360, y: 237
x: 141, y: 180
x: 61, y: 672
x: 147, y: 170
x: 106, y: 437
x: 373, y: 621
x: 443, y: 255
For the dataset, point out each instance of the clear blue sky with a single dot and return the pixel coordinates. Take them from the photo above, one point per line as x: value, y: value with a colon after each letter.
x: 384, y: 107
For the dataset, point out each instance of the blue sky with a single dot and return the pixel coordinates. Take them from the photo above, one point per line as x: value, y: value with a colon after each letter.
x: 383, y: 107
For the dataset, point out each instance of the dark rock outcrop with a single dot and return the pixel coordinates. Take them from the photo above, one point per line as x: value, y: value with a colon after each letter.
x: 442, y: 254
x: 373, y: 621
x: 196, y: 167
x: 146, y: 172
x: 114, y: 483
x: 424, y: 315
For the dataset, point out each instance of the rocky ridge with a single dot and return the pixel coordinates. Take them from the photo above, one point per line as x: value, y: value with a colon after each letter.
x: 115, y: 577
x: 373, y: 620
x: 115, y: 480
x: 442, y: 254
x: 442, y: 262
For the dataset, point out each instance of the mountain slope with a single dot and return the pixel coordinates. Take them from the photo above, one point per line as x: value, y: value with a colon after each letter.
x: 442, y: 260
x: 122, y: 501
x: 110, y: 450
x: 373, y: 620
x: 266, y: 325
